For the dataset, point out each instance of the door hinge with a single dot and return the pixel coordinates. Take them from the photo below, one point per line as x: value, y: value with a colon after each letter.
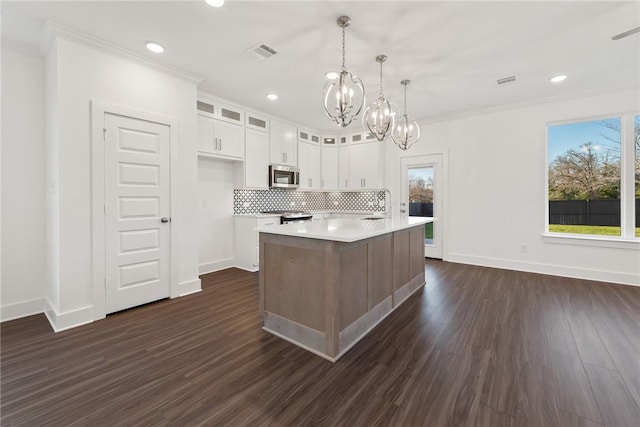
x: 105, y: 283
x: 104, y: 134
x: 105, y: 208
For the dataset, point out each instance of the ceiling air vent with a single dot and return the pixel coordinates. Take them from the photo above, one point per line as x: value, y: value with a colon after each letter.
x: 506, y: 80
x: 263, y: 51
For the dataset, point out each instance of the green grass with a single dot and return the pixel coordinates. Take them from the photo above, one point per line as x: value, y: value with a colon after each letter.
x: 428, y: 230
x: 601, y: 230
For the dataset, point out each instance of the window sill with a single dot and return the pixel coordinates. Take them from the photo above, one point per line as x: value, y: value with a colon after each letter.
x: 594, y: 241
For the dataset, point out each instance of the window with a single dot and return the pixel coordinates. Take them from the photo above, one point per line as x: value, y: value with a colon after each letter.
x: 592, y: 167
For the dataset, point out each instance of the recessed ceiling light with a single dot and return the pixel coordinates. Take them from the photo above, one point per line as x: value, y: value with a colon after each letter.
x: 331, y: 75
x: 558, y: 79
x: 272, y: 96
x: 215, y: 3
x: 155, y: 47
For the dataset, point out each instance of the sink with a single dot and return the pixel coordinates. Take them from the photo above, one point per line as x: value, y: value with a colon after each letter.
x: 372, y: 218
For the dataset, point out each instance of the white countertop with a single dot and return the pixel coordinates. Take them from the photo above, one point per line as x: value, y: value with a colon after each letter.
x: 345, y: 229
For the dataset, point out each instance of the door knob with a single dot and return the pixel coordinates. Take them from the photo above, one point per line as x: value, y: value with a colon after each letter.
x: 165, y: 219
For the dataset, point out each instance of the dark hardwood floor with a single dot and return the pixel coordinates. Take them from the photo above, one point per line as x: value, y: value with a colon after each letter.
x: 476, y: 347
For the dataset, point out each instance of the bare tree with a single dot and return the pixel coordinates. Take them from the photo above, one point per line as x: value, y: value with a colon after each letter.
x: 591, y: 173
x: 420, y: 190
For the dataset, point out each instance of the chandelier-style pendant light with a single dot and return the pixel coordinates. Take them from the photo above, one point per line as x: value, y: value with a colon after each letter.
x: 406, y: 131
x: 379, y: 115
x: 343, y: 95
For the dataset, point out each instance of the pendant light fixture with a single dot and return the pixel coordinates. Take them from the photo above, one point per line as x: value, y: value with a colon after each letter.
x: 406, y: 131
x: 343, y: 95
x: 379, y: 116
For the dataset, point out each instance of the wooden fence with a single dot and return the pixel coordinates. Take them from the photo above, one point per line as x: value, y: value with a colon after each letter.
x: 565, y: 212
x: 587, y: 212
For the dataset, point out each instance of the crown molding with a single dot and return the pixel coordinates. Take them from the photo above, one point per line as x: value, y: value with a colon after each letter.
x: 524, y: 104
x: 52, y: 31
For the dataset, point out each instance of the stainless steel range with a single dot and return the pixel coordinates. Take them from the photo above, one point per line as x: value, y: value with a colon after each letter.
x: 291, y: 216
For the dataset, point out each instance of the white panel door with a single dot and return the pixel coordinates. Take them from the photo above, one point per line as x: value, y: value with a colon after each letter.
x: 137, y: 201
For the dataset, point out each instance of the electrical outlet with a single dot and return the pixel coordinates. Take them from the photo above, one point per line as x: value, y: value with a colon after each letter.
x: 524, y: 247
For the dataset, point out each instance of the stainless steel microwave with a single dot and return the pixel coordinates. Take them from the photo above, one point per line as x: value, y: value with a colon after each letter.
x: 284, y: 176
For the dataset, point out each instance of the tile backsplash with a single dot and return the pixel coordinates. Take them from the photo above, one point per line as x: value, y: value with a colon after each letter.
x: 254, y: 201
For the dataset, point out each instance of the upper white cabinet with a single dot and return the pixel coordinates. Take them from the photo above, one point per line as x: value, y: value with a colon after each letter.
x: 304, y: 135
x: 356, y: 138
x: 220, y: 130
x: 330, y: 167
x: 364, y: 166
x: 309, y: 163
x: 343, y: 167
x: 256, y: 162
x: 330, y: 141
x: 283, y: 143
x: 369, y: 137
x: 257, y: 122
x: 219, y: 138
x: 230, y: 115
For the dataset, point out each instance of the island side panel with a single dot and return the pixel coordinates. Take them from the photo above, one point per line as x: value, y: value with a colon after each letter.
x: 409, y: 258
x: 331, y: 294
x: 380, y: 270
x: 416, y: 251
x: 293, y: 288
x: 400, y: 262
x: 352, y: 279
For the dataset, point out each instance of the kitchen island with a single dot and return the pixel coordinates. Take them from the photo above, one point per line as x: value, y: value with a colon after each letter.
x: 325, y: 284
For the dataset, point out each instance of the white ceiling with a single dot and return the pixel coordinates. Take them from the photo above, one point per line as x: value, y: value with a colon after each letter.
x: 452, y: 51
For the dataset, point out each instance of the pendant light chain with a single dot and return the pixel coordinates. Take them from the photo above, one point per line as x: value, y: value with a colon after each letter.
x: 405, y: 100
x: 343, y: 49
x: 381, y: 92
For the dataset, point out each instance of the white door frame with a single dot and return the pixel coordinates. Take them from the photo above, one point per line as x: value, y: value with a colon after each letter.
x: 444, y: 196
x: 98, y: 223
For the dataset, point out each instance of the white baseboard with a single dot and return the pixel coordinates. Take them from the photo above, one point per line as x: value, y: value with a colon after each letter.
x: 210, y: 267
x: 69, y: 319
x: 551, y: 269
x: 188, y: 287
x: 21, y: 309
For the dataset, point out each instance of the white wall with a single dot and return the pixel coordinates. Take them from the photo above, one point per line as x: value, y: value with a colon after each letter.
x: 84, y: 73
x: 23, y: 180
x: 495, y: 186
x: 215, y: 213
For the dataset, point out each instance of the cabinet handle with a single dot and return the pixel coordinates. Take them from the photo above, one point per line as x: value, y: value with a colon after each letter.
x: 215, y: 144
x: 220, y: 145
x: 364, y: 182
x: 286, y: 157
x: 345, y: 183
x: 283, y: 157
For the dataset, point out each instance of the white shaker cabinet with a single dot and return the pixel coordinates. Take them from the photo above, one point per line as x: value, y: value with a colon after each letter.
x: 245, y: 232
x: 220, y: 138
x: 283, y: 142
x: 343, y: 167
x: 309, y: 163
x: 364, y: 166
x: 256, y: 161
x: 330, y: 164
